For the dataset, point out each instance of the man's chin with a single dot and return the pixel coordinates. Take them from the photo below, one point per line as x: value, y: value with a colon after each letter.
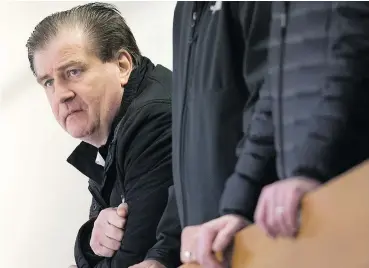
x: 77, y: 133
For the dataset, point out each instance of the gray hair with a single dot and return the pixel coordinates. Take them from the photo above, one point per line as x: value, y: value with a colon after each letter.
x: 102, y: 23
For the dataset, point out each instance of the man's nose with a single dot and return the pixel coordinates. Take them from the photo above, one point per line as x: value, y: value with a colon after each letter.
x: 62, y: 93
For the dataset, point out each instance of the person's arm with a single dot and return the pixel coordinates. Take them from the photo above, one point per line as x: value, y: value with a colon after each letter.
x: 148, y: 174
x: 339, y: 123
x: 256, y: 163
x: 167, y: 248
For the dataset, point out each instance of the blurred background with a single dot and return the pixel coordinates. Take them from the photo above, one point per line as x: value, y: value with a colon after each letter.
x: 43, y: 199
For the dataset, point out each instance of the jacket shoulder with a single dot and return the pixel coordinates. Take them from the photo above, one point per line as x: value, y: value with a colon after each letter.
x: 157, y: 88
x: 149, y: 109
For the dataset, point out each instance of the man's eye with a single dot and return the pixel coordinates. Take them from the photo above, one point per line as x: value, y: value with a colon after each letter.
x: 49, y: 83
x: 73, y: 72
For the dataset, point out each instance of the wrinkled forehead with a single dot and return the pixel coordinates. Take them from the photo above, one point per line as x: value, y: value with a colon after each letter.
x: 64, y: 47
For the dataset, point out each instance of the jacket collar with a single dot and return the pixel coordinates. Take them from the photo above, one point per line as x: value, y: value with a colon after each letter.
x: 84, y: 155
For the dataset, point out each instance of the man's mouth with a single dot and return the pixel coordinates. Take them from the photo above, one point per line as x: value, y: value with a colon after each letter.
x: 72, y: 114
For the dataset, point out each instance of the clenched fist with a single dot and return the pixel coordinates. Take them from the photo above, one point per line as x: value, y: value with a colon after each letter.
x: 107, y: 233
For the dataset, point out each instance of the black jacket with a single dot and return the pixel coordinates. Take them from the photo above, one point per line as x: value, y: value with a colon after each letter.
x: 138, y: 167
x: 217, y: 64
x: 216, y: 51
x: 312, y: 114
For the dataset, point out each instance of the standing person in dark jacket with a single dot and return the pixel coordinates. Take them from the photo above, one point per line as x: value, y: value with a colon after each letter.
x: 312, y: 115
x: 103, y: 92
x: 218, y: 57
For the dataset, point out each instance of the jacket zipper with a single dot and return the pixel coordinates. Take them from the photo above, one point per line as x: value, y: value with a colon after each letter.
x: 98, y: 198
x: 284, y: 21
x: 190, y: 59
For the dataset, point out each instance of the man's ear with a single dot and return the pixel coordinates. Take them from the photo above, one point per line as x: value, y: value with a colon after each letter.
x: 125, y: 65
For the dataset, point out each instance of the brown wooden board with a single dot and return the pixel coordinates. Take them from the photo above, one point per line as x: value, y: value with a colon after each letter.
x: 334, y: 230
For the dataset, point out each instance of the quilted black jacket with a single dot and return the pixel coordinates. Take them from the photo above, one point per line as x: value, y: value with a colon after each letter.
x: 312, y: 115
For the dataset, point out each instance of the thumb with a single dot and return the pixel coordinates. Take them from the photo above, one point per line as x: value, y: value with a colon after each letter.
x: 122, y: 210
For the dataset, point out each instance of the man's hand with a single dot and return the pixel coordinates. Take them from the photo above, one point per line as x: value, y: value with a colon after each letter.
x: 148, y: 264
x: 107, y: 233
x: 213, y: 236
x: 278, y: 206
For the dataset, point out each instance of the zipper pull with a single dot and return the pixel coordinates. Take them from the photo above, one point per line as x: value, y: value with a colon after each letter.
x: 194, y: 17
x: 283, y: 20
x: 286, y: 7
x: 193, y: 24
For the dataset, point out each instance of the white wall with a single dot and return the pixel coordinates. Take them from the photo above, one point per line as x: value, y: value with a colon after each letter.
x: 43, y: 200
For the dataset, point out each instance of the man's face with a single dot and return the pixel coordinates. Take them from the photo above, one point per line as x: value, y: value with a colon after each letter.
x: 84, y: 93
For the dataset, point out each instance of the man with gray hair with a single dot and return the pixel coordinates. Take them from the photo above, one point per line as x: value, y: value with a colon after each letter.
x: 118, y: 103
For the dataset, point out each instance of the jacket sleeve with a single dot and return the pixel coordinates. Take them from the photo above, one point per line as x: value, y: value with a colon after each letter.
x: 255, y: 162
x: 147, y: 167
x: 333, y: 130
x: 255, y: 166
x: 167, y: 248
